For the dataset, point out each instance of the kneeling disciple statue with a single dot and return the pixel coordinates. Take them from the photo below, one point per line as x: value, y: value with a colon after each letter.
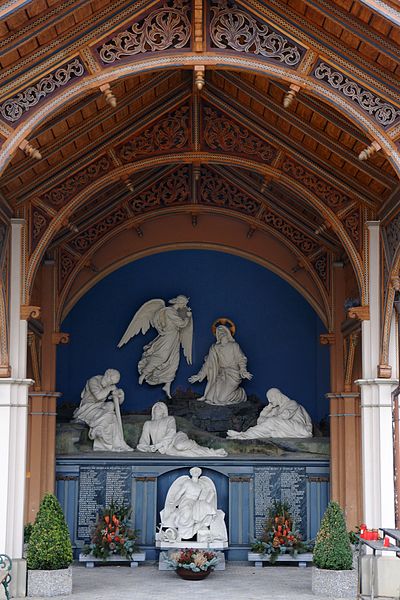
x: 160, y: 435
x: 281, y: 418
x: 99, y: 408
x: 191, y: 512
x: 224, y: 368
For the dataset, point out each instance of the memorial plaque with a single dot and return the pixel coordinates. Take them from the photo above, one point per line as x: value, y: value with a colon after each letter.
x: 285, y: 484
x: 98, y: 487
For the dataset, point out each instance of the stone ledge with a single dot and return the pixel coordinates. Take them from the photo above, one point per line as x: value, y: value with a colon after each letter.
x: 91, y: 560
x: 300, y: 559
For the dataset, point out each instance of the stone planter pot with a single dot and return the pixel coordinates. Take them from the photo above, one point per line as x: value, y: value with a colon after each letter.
x: 334, y: 584
x: 50, y: 583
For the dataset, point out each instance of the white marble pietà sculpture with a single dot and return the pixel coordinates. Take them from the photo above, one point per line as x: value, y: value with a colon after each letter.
x: 191, y: 512
x: 160, y: 358
x: 100, y: 409
x: 224, y: 368
x: 160, y: 435
x: 281, y: 418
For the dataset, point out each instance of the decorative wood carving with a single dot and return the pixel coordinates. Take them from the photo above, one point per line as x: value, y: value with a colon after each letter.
x: 66, y: 264
x: 173, y: 189
x: 321, y: 265
x: 60, y: 194
x: 13, y: 109
x: 29, y: 312
x: 392, y: 231
x: 165, y: 27
x: 352, y: 224
x: 216, y: 191
x: 384, y: 113
x: 38, y: 225
x: 235, y: 29
x: 327, y: 339
x: 334, y: 198
x: 59, y: 337
x: 222, y: 133
x: 359, y: 312
x: 171, y: 132
x: 89, y: 236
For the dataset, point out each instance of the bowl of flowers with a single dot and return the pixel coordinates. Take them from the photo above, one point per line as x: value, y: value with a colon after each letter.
x: 112, y: 535
x: 192, y: 564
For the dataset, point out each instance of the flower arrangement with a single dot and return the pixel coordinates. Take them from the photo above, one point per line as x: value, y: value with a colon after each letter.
x: 113, y: 534
x: 192, y: 560
x: 279, y: 536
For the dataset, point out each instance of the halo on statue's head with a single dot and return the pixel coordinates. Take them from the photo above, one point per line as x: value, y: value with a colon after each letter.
x: 224, y: 321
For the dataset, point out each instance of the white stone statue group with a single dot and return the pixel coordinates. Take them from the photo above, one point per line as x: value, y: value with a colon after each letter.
x: 100, y: 409
x: 224, y: 367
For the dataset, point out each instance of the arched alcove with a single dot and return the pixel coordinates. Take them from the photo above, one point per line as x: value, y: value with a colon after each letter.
x: 276, y: 327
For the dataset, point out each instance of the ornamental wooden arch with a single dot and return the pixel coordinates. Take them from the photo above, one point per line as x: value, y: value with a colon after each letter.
x: 64, y: 309
x: 325, y: 315
x: 212, y: 60
x: 193, y: 157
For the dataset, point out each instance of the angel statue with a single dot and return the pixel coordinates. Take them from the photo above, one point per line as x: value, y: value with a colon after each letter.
x: 191, y: 512
x: 174, y: 324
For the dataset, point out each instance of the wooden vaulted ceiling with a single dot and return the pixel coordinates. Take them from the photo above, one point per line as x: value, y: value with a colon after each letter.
x: 237, y: 115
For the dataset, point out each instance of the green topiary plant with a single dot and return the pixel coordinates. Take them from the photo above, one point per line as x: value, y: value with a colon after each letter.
x: 49, y: 544
x: 332, y: 547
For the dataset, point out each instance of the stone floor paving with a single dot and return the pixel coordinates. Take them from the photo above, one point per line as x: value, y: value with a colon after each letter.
x: 237, y: 582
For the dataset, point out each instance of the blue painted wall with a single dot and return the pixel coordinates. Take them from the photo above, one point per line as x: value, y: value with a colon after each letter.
x: 275, y: 326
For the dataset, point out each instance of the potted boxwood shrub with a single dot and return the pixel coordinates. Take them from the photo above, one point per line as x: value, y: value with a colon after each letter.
x: 49, y: 552
x: 333, y: 575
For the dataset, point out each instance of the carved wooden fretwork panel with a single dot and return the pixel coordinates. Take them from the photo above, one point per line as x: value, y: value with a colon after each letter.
x: 352, y: 224
x: 66, y: 264
x: 392, y: 233
x: 59, y: 195
x: 234, y: 29
x: 222, y: 133
x: 166, y: 27
x: 333, y: 197
x: 89, y: 236
x: 174, y: 189
x: 216, y: 191
x: 322, y: 267
x: 297, y: 237
x: 169, y: 133
x: 13, y: 109
x: 385, y: 114
x: 39, y: 222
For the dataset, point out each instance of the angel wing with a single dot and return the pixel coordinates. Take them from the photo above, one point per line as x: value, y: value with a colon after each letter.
x: 209, y: 492
x: 143, y: 319
x: 186, y: 339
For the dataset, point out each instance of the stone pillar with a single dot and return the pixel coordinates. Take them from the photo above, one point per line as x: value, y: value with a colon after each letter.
x: 376, y: 405
x: 13, y: 420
